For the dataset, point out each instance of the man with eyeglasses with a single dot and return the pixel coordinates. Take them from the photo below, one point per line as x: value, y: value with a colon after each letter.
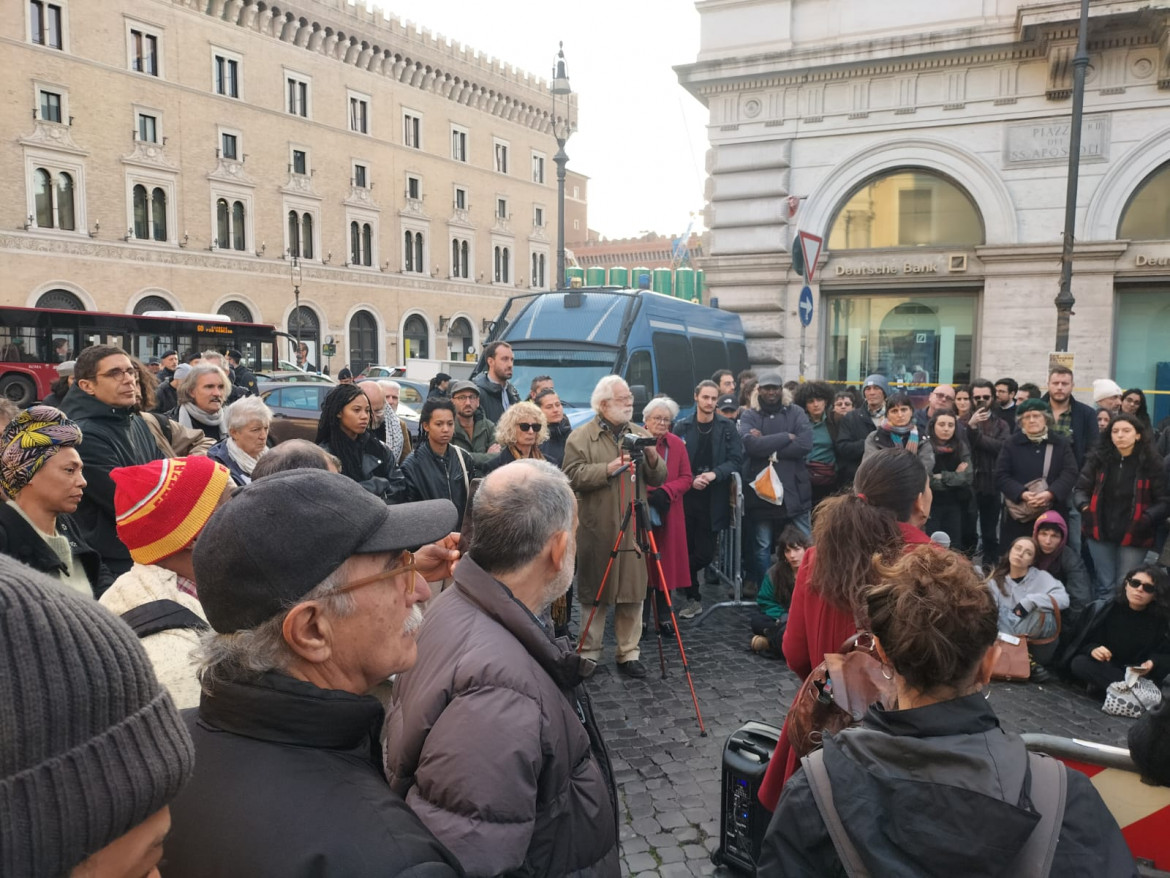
x: 474, y: 432
x: 102, y: 402
x: 310, y: 613
x: 986, y: 433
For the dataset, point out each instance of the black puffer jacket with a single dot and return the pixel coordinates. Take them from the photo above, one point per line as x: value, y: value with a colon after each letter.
x: 491, y: 396
x: 290, y: 785
x: 114, y: 437
x: 18, y: 540
x: 936, y: 790
x: 544, y: 803
x: 430, y: 477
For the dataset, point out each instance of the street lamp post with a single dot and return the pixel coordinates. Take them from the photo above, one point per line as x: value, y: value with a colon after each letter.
x: 1064, y: 298
x: 295, y: 275
x: 562, y: 128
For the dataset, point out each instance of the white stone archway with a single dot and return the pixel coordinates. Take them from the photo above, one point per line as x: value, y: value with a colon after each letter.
x: 68, y: 286
x: 1103, y: 216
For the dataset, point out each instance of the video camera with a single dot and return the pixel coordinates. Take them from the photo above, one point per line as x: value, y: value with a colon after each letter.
x: 633, y: 443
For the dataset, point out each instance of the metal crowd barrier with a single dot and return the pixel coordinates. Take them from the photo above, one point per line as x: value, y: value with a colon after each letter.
x: 728, y: 564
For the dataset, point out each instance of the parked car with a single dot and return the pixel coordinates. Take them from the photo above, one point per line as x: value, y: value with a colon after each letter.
x: 283, y: 376
x: 296, y: 409
x: 378, y: 371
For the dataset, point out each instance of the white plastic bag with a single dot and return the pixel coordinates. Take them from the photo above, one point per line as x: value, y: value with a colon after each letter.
x: 1132, y: 696
x: 767, y: 484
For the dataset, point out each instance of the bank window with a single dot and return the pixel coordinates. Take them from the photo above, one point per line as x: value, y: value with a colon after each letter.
x: 912, y: 208
x: 1147, y: 216
x: 922, y: 339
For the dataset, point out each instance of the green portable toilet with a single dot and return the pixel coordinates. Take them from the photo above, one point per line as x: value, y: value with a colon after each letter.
x: 662, y: 282
x: 684, y: 284
x: 636, y: 278
x: 574, y: 272
x: 595, y: 276
x: 619, y: 277
x: 700, y: 286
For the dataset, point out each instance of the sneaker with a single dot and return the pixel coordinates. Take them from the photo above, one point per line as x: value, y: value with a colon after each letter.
x: 632, y: 668
x: 760, y: 643
x: 1039, y: 673
x: 692, y: 609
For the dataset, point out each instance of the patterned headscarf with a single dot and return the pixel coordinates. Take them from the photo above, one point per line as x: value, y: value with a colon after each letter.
x: 35, y: 435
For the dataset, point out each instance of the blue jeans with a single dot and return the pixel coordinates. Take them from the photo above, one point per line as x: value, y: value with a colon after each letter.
x: 1112, y: 562
x: 1073, y: 519
x: 763, y: 534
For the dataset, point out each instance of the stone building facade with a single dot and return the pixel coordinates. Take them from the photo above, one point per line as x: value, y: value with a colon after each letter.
x: 927, y: 144
x: 195, y: 154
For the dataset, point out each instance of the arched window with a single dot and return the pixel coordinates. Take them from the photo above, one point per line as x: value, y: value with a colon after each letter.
x: 415, y: 338
x: 367, y: 244
x: 152, y: 303
x: 310, y: 326
x: 361, y: 243
x: 419, y: 264
x: 62, y: 300
x: 158, y: 213
x: 307, y: 235
x: 455, y: 258
x: 43, y: 196
x: 503, y: 271
x: 239, y: 235
x: 294, y: 234
x: 459, y: 339
x: 223, y: 223
x: 412, y: 252
x: 141, y: 213
x: 355, y: 243
x: 65, y: 216
x: 906, y: 208
x: 236, y: 311
x: 1147, y: 216
x: 363, y: 341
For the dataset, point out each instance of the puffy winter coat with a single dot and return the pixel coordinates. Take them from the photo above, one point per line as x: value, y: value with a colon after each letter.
x: 787, y: 434
x: 491, y: 739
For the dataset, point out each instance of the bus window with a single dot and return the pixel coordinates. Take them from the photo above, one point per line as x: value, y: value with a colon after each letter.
x: 710, y: 356
x: 672, y: 359
x: 18, y: 344
x: 62, y: 346
x: 640, y: 371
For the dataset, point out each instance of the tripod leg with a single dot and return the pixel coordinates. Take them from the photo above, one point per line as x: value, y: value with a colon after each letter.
x: 657, y: 628
x: 605, y: 577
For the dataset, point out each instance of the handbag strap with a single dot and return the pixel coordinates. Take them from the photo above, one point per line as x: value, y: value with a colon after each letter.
x: 1040, y: 641
x: 1048, y: 794
x: 1047, y: 461
x: 822, y: 790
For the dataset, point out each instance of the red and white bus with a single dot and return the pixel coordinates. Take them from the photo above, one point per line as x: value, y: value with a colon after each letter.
x: 34, y: 340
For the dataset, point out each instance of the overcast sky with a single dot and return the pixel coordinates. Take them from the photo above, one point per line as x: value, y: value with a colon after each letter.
x: 641, y: 137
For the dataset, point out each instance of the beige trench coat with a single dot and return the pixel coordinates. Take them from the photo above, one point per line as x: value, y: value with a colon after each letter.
x: 588, y: 451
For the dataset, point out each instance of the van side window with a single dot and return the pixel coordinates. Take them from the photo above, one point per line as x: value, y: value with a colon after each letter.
x: 640, y: 371
x: 710, y: 356
x: 737, y: 351
x: 672, y: 358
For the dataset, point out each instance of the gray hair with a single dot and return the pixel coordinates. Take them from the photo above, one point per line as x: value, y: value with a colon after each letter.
x: 604, y: 391
x: 385, y: 383
x: 513, y: 518
x: 215, y: 358
x: 197, y: 372
x: 661, y: 402
x: 241, y: 655
x: 245, y: 411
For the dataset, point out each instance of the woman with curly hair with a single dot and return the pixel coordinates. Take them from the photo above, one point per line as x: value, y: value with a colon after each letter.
x: 1129, y: 629
x: 519, y: 433
x: 1122, y: 496
x: 934, y: 784
x: 816, y: 398
x: 344, y: 431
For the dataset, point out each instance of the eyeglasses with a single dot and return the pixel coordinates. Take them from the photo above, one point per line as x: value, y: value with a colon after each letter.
x: 407, y: 567
x: 629, y: 397
x: 658, y: 419
x: 1134, y: 582
x: 982, y: 397
x: 528, y: 428
x: 119, y: 374
x: 938, y: 395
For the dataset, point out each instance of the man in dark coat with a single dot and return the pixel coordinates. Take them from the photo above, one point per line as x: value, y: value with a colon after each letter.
x: 715, y: 451
x: 782, y: 429
x: 1077, y: 423
x: 102, y: 402
x: 290, y: 781
x: 496, y: 391
x: 986, y: 433
x: 544, y: 803
x: 859, y: 423
x: 244, y: 377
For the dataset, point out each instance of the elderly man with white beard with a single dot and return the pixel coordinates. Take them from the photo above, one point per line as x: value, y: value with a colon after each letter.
x: 601, y: 474
x: 491, y: 737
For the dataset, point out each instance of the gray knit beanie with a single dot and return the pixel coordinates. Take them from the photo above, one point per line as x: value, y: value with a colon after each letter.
x: 90, y: 743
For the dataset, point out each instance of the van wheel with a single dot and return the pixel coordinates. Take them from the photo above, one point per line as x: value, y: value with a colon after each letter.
x: 18, y: 390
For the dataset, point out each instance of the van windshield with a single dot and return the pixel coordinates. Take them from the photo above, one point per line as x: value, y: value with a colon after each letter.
x: 574, y: 373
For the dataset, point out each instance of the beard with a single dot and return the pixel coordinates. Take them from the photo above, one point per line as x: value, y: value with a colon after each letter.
x: 413, y: 621
x: 560, y: 583
x: 619, y: 415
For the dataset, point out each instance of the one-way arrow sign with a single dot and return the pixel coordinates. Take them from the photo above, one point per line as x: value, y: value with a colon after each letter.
x: 805, y: 306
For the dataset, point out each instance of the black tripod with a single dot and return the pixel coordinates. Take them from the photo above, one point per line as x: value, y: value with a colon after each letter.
x: 647, y: 547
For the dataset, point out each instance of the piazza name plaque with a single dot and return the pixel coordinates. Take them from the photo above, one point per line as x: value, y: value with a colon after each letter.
x: 1045, y: 141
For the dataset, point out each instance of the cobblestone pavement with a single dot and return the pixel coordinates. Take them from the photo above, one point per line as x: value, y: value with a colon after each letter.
x: 669, y: 777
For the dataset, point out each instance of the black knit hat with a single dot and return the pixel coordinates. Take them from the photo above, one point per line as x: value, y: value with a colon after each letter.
x: 90, y: 743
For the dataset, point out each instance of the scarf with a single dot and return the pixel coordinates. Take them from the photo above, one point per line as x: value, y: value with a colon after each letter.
x: 189, y: 412
x: 1036, y: 440
x: 242, y: 459
x: 906, y: 436
x: 393, y: 432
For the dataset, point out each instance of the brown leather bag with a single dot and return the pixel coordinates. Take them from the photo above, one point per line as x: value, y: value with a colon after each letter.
x: 837, y: 694
x: 1014, y: 662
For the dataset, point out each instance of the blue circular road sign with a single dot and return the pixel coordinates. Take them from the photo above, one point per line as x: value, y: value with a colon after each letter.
x: 805, y: 306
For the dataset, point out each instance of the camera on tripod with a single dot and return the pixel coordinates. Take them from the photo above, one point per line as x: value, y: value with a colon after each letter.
x: 633, y: 444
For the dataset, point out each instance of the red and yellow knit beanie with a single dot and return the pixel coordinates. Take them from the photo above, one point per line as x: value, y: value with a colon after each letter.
x: 161, y: 506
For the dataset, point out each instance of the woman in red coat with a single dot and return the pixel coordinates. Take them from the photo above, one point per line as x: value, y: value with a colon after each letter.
x: 665, y: 503
x: 884, y: 512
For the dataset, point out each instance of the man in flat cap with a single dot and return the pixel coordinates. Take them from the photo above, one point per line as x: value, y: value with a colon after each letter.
x: 310, y: 613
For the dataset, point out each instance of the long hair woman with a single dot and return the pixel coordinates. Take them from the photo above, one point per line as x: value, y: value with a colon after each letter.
x: 344, y: 431
x: 951, y: 479
x: 1023, y: 595
x: 936, y: 786
x: 883, y: 514
x: 1122, y: 496
x: 770, y: 617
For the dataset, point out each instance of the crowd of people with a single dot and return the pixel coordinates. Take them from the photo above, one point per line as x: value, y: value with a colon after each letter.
x: 332, y: 618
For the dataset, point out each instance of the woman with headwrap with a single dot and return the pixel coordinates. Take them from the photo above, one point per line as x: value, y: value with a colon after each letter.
x: 344, y: 431
x: 40, y: 471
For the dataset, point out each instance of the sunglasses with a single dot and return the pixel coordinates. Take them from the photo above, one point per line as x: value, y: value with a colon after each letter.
x: 528, y: 428
x: 408, y: 566
x: 982, y: 398
x: 1147, y: 587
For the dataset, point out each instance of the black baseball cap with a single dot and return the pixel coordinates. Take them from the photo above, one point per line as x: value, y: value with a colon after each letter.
x: 727, y: 402
x: 280, y: 536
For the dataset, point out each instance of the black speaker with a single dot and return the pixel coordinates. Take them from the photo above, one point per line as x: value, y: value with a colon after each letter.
x: 742, y: 819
